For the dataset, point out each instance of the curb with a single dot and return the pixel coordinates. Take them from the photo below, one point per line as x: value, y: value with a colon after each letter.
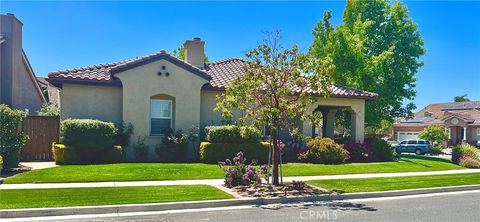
x: 108, y: 209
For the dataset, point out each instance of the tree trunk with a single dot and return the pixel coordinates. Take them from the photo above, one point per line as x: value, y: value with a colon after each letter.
x: 276, y: 152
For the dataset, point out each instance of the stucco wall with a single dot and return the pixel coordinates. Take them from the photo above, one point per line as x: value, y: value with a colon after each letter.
x: 143, y: 82
x: 92, y: 102
x: 24, y: 90
x: 208, y: 116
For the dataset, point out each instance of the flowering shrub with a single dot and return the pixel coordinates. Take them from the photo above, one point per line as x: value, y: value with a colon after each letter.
x: 239, y: 173
x: 464, y: 150
x: 298, y: 184
x: 295, y: 150
x: 468, y: 162
x: 325, y: 150
x: 358, y: 152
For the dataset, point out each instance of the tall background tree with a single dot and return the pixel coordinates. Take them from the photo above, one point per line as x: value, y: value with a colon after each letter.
x: 273, y: 91
x: 462, y: 98
x: 376, y: 48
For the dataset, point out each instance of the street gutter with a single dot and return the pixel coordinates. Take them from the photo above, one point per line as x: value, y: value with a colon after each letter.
x: 125, y: 208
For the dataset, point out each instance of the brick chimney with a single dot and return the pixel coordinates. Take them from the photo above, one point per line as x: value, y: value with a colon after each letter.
x: 195, y: 52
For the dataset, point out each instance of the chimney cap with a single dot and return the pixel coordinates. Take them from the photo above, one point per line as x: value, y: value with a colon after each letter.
x: 196, y: 38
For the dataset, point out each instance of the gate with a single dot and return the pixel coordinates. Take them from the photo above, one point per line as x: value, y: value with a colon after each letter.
x: 42, y: 131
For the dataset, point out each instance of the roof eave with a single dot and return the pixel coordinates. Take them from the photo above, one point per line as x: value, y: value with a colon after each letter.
x: 58, y: 82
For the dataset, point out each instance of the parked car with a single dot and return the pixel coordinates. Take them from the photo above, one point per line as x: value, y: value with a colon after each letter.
x: 419, y: 147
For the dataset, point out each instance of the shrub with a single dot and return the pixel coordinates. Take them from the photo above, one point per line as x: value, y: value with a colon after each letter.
x: 173, y: 147
x: 141, y: 150
x: 63, y: 154
x: 214, y: 152
x: 122, y: 137
x: 12, y: 140
x: 238, y: 173
x: 48, y: 109
x: 325, y: 150
x: 358, y: 152
x: 464, y: 150
x: 434, y: 134
x: 381, y: 149
x: 232, y: 134
x: 113, y: 155
x: 87, y: 134
x: 468, y: 162
x: 1, y: 163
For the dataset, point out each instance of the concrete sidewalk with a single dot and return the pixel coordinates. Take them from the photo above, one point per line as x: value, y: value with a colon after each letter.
x: 217, y: 182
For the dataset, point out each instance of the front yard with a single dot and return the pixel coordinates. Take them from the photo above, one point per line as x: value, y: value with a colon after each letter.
x: 161, y: 171
x: 396, y: 183
x: 35, y: 198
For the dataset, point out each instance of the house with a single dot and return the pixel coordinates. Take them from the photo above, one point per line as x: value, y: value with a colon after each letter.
x: 50, y: 92
x: 19, y: 88
x: 461, y: 119
x: 159, y: 91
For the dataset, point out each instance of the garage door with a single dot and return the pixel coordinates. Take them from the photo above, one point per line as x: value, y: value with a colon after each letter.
x: 407, y: 136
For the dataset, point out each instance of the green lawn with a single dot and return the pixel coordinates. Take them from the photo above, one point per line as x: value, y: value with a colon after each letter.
x: 160, y: 171
x: 397, y: 183
x: 34, y: 198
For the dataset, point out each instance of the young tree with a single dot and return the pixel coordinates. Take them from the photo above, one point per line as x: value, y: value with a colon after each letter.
x: 180, y: 53
x: 376, y: 48
x: 275, y: 90
x: 435, y: 134
x: 462, y: 98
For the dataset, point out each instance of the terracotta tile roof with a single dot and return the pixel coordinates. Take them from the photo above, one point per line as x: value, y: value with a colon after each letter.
x: 221, y: 74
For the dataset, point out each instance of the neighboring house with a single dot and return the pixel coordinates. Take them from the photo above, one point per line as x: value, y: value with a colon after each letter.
x: 461, y: 120
x: 18, y: 86
x: 159, y: 91
x: 50, y: 92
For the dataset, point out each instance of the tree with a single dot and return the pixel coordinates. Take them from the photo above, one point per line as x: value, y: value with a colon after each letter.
x: 376, y: 48
x: 180, y: 53
x: 273, y: 90
x: 462, y: 98
x: 435, y: 134
x: 48, y: 109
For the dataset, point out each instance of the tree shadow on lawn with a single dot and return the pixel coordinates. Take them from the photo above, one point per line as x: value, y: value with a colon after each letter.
x: 407, y: 158
x: 332, y: 205
x: 13, y: 172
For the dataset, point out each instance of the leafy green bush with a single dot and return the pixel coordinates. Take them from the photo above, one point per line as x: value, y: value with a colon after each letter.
x: 12, y: 140
x: 1, y: 163
x: 464, y: 150
x: 63, y: 154
x: 232, y: 134
x: 48, y: 109
x: 381, y: 150
x: 214, y: 152
x: 141, y: 149
x: 122, y: 137
x: 113, y: 155
x: 173, y: 147
x: 434, y: 134
x: 325, y: 150
x: 87, y: 133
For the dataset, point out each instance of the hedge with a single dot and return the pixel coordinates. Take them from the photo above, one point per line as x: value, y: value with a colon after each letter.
x: 63, y: 154
x: 11, y: 140
x: 87, y: 134
x: 214, y: 152
x: 232, y: 134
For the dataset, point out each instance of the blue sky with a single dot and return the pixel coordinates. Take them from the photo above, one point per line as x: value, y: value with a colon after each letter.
x: 60, y: 35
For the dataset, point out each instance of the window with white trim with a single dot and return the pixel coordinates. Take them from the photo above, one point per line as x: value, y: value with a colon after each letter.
x: 160, y: 116
x: 478, y: 134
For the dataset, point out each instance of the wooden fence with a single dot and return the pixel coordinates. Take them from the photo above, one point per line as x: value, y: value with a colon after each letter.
x: 42, y: 132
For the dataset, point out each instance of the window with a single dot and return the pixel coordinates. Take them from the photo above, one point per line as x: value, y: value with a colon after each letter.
x: 478, y: 134
x: 421, y: 142
x: 412, y: 142
x: 160, y: 116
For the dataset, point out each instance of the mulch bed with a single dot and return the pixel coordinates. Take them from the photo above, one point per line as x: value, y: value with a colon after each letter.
x: 285, y: 190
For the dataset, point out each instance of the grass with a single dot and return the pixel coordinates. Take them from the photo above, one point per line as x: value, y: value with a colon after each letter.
x: 160, y: 171
x: 34, y: 198
x: 397, y: 183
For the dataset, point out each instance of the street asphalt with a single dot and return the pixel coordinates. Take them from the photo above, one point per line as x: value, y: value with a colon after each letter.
x: 461, y: 206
